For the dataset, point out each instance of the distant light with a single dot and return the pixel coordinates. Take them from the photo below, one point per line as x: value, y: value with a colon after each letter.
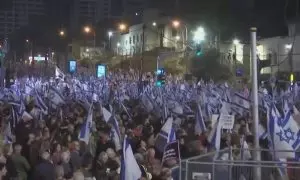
x: 118, y: 44
x: 136, y: 14
x: 39, y: 55
x: 288, y: 46
x: 52, y: 53
x: 177, y: 37
x: 292, y: 78
x: 110, y: 33
x: 87, y: 50
x: 154, y: 24
x: 199, y: 35
x: 236, y: 41
x: 176, y: 23
x: 27, y: 40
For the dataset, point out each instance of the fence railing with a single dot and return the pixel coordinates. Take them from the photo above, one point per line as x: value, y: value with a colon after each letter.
x: 225, y: 165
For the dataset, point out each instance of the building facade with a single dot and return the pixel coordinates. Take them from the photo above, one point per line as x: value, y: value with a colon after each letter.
x: 18, y: 15
x: 154, y: 32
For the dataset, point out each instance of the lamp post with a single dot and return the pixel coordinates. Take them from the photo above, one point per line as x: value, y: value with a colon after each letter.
x: 110, y: 33
x: 29, y: 45
x: 236, y: 42
x: 122, y: 27
x: 176, y: 24
x: 88, y: 30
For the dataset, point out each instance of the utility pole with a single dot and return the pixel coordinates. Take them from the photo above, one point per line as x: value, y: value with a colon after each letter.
x: 257, y: 158
x: 143, y: 49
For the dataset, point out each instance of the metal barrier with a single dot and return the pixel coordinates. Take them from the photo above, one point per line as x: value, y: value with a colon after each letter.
x: 223, y: 166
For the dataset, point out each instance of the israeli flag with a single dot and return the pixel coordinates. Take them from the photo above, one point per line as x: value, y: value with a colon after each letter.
x: 130, y: 169
x: 40, y: 103
x: 116, y: 134
x: 281, y: 139
x: 59, y: 74
x: 84, y: 134
x: 291, y: 126
x: 200, y: 125
x: 214, y: 138
x: 165, y: 136
x: 106, y: 114
x: 55, y: 97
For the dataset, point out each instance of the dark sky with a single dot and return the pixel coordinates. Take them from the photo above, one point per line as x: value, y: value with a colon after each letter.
x: 230, y: 17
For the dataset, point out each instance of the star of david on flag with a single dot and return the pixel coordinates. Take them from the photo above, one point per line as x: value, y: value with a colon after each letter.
x: 281, y: 139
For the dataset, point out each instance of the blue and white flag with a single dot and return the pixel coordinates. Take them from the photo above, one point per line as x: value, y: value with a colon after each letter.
x: 85, y: 130
x: 55, y: 97
x: 59, y: 74
x: 200, y: 125
x: 116, y: 134
x: 40, y: 103
x: 215, y: 135
x: 130, y: 170
x: 165, y: 136
x: 281, y: 139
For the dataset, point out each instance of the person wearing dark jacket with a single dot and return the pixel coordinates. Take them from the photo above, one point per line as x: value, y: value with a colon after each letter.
x: 45, y: 170
x: 10, y: 167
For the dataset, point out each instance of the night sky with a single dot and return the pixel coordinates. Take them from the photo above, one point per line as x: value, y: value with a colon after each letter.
x: 230, y: 17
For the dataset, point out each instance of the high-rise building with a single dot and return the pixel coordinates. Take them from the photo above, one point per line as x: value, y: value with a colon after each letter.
x: 94, y: 11
x: 18, y: 15
x: 89, y: 12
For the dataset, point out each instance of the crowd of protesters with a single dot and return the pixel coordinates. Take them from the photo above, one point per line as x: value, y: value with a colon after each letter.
x: 50, y: 149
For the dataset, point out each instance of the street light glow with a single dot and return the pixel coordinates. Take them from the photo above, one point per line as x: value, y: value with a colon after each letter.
x: 176, y: 23
x: 177, y: 37
x: 27, y: 40
x: 87, y: 29
x: 288, y: 46
x: 87, y: 50
x: 199, y: 35
x: 118, y: 44
x: 154, y: 24
x: 61, y: 33
x: 122, y: 27
x: 110, y: 33
x: 236, y: 41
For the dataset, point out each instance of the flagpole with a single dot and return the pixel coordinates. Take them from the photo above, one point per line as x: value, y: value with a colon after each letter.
x: 257, y: 158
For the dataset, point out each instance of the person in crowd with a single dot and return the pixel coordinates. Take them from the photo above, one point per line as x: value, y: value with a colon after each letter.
x: 12, y: 173
x: 56, y: 153
x: 101, y: 170
x: 65, y: 163
x: 75, y: 158
x: 87, y: 164
x: 78, y: 176
x: 59, y: 172
x: 3, y: 171
x: 20, y: 162
x: 45, y: 170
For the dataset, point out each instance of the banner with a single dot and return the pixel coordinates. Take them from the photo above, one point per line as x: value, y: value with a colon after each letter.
x: 171, y: 152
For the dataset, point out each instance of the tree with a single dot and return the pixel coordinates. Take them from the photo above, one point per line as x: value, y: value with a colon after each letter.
x: 207, y: 66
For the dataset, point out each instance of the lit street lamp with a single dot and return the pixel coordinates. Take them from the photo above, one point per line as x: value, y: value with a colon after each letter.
x: 154, y: 24
x: 88, y: 30
x: 62, y: 33
x: 122, y: 27
x: 176, y: 24
x: 236, y: 42
x: 110, y: 33
x: 199, y: 35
